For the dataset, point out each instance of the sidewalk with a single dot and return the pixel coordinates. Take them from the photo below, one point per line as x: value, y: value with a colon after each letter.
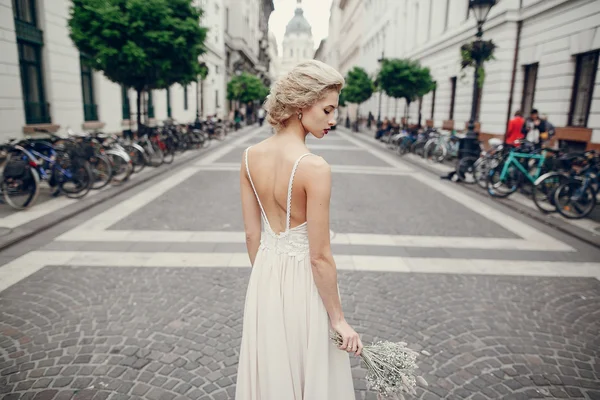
x: 16, y: 226
x: 587, y: 229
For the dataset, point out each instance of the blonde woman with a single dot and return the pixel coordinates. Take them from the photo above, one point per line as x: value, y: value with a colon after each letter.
x: 292, y: 300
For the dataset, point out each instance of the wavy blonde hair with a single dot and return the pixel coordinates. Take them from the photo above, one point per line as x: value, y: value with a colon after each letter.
x: 307, y: 83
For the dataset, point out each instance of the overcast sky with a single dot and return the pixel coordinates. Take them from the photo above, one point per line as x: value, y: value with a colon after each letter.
x: 316, y: 13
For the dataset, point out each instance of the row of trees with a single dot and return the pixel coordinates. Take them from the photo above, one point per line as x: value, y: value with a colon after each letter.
x: 140, y: 44
x: 147, y: 45
x: 397, y: 78
x: 246, y: 88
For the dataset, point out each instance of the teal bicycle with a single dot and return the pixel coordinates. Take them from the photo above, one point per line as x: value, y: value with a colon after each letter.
x: 516, y: 169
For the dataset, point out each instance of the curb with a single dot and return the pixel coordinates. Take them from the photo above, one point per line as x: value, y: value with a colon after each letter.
x: 546, y: 219
x: 45, y: 222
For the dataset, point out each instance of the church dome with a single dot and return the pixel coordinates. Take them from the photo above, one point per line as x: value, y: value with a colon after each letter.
x: 298, y: 24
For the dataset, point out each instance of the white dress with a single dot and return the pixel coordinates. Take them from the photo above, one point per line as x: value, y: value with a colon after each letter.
x: 286, y: 353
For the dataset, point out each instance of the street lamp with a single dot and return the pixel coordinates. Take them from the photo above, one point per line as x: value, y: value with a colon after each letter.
x: 379, y: 107
x: 481, y: 9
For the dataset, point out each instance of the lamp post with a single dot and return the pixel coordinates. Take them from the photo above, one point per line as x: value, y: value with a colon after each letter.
x: 379, y: 106
x: 480, y: 9
x: 197, y: 121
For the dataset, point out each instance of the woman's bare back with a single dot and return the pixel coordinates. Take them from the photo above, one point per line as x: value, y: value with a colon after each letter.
x: 271, y: 162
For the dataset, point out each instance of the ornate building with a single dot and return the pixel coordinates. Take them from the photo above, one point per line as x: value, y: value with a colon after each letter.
x: 297, y: 43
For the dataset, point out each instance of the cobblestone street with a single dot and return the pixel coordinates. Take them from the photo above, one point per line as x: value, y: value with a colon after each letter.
x: 141, y: 297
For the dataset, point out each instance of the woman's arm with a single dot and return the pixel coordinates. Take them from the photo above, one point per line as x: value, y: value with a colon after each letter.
x: 318, y: 195
x: 251, y: 214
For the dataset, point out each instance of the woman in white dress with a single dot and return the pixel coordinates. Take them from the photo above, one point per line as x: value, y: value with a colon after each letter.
x: 292, y: 300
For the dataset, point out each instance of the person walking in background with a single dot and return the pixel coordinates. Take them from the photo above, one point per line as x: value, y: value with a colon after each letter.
x: 261, y: 116
x: 515, y: 127
x: 385, y: 126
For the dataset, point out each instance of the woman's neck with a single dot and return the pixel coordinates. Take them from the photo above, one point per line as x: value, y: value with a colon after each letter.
x: 294, y: 131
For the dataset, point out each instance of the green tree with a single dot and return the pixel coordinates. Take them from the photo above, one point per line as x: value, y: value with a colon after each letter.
x: 401, y: 78
x: 246, y: 88
x: 359, y: 88
x: 142, y: 44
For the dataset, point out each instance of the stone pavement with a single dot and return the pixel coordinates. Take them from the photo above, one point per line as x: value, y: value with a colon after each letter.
x: 142, y: 296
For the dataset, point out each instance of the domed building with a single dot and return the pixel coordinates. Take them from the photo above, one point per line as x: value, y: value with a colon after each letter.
x: 298, y: 44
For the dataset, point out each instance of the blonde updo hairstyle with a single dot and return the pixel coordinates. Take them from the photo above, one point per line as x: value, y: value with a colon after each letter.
x: 303, y: 86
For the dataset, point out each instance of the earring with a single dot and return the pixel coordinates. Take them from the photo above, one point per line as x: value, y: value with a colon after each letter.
x: 299, y: 115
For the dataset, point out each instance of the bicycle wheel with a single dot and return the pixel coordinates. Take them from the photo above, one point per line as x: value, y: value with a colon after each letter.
x: 156, y: 157
x: 482, y: 169
x: 138, y: 158
x: 465, y: 170
x: 21, y: 190
x: 219, y: 134
x: 121, y: 165
x: 544, y: 188
x: 169, y: 151
x: 434, y: 152
x: 77, y: 181
x: 101, y: 170
x: 501, y: 187
x: 575, y: 199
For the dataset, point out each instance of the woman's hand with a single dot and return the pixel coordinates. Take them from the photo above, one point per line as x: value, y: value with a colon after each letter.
x: 350, y: 340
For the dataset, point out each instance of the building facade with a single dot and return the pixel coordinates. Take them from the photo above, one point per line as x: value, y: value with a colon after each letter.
x: 547, y: 58
x: 45, y: 84
x: 247, y: 38
x: 212, y: 90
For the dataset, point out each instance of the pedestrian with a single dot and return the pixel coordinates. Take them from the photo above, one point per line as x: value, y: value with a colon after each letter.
x: 550, y: 129
x: 370, y: 119
x: 535, y: 129
x: 515, y: 126
x: 261, y: 116
x: 385, y: 127
x: 286, y: 350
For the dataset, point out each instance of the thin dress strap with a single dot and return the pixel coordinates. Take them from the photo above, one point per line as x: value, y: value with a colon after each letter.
x: 262, y: 210
x: 289, y: 195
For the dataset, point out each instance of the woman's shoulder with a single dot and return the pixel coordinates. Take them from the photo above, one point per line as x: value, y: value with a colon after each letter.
x: 314, y: 166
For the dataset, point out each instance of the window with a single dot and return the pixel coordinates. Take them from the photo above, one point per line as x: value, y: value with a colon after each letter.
x: 447, y: 16
x: 24, y: 10
x: 30, y: 61
x: 452, y: 96
x: 217, y: 69
x: 433, y: 102
x: 185, y: 98
x: 90, y: 109
x: 291, y: 52
x: 583, y: 88
x: 529, y: 82
x: 30, y: 41
x: 169, y: 102
x: 217, y: 105
x: 125, y: 103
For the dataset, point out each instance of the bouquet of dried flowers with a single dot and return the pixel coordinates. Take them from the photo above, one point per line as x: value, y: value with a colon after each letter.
x: 390, y: 368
